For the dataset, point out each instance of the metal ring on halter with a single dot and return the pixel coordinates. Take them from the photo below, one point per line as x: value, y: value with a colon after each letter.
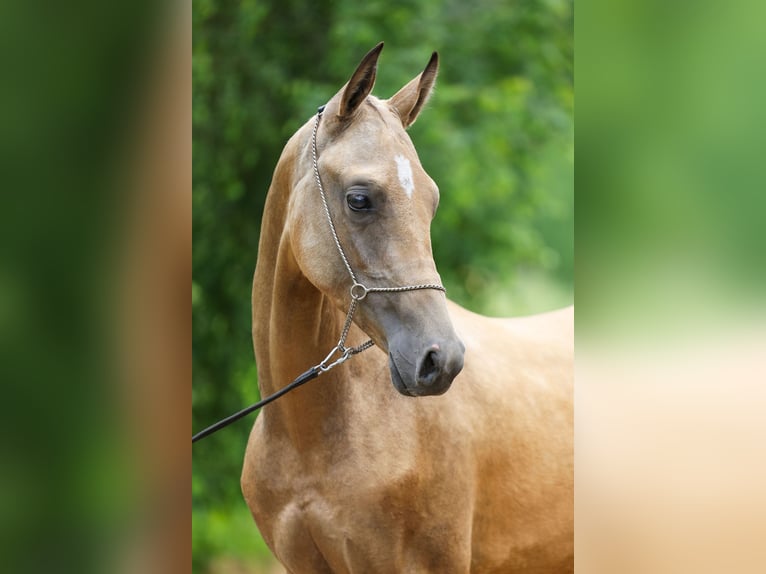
x: 355, y: 291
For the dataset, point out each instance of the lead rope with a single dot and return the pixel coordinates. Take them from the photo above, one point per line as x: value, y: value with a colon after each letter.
x: 358, y: 292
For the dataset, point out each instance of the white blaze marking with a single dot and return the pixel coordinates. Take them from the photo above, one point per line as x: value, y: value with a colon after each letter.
x: 404, y: 170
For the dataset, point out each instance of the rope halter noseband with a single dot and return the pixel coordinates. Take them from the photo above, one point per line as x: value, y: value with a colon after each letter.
x: 358, y: 291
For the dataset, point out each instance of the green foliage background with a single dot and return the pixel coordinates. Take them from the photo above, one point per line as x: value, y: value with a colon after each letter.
x: 497, y: 137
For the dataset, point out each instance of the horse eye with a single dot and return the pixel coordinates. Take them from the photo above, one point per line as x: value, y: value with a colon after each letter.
x: 358, y: 201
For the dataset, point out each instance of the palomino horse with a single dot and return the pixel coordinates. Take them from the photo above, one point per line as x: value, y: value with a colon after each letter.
x: 376, y: 466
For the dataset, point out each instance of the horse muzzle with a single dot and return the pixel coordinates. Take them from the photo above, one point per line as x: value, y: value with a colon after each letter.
x: 425, y: 371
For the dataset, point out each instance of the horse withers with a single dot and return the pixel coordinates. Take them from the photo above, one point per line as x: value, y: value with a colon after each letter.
x: 447, y: 446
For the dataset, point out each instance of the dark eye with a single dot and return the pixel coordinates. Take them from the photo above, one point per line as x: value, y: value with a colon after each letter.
x: 358, y: 201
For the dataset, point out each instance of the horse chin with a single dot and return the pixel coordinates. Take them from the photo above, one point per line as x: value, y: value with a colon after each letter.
x: 396, y: 378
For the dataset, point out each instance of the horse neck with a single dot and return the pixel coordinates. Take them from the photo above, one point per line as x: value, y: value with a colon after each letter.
x: 294, y: 324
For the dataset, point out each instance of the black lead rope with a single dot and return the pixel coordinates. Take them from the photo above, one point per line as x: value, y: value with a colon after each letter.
x: 312, y: 373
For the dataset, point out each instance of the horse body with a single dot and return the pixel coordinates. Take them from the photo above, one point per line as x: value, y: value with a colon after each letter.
x: 348, y: 475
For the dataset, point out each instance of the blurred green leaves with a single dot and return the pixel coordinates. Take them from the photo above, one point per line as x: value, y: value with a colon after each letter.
x: 671, y: 167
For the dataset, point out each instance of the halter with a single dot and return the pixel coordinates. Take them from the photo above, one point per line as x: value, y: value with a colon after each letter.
x: 358, y: 291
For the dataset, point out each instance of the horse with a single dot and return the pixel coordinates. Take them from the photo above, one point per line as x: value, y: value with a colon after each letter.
x: 447, y: 446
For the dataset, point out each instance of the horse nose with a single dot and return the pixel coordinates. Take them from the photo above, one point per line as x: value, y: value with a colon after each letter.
x: 439, y: 365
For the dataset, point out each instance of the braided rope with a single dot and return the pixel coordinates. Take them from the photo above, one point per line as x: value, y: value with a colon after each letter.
x: 324, y: 198
x: 358, y: 290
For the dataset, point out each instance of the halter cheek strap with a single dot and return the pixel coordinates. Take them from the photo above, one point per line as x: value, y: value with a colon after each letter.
x: 358, y: 290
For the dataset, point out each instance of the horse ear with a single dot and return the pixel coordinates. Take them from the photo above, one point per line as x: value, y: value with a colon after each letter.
x: 411, y: 98
x: 360, y: 85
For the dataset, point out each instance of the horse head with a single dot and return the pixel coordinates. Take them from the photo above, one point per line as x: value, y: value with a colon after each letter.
x: 382, y: 202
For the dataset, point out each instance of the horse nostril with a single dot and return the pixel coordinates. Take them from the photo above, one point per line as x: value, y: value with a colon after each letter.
x: 429, y: 368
